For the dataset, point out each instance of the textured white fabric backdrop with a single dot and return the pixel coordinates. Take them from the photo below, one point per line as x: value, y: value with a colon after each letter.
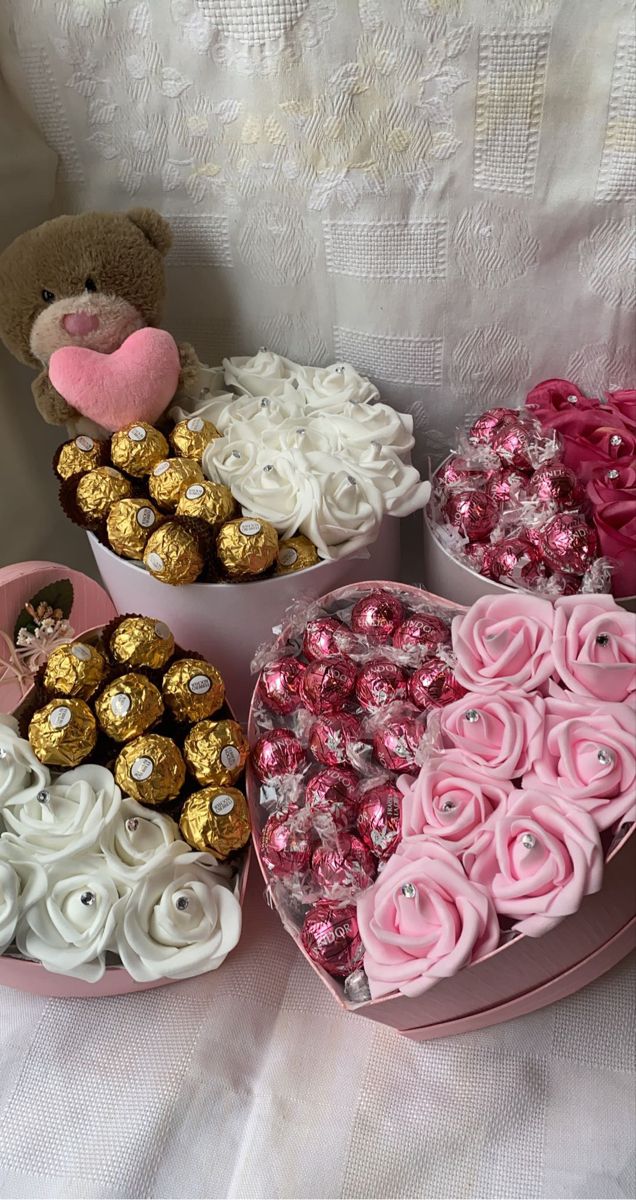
x: 441, y: 192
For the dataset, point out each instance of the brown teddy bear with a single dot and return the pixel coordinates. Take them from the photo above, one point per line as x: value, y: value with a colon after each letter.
x: 90, y: 280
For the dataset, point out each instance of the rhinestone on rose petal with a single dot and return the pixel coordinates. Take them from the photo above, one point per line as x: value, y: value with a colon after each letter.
x: 376, y: 445
x: 409, y: 890
x: 612, y: 474
x: 205, y: 391
x: 605, y: 757
x: 471, y: 715
x: 182, y: 903
x: 265, y: 402
x: 88, y: 898
x: 448, y: 806
x: 295, y: 384
x: 351, y: 479
x: 301, y: 430
x: 3, y: 753
x: 132, y: 824
x: 616, y: 440
x: 268, y: 467
x: 528, y: 841
x: 572, y: 399
x: 602, y: 639
x: 262, y: 349
x: 236, y: 454
x: 340, y: 370
x: 43, y: 797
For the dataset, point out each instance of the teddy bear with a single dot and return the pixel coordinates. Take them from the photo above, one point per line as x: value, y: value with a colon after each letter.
x: 89, y: 280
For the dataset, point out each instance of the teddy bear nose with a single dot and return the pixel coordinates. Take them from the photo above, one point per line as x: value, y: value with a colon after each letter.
x: 78, y: 324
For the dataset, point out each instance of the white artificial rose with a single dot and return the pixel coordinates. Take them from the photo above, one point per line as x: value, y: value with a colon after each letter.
x: 280, y: 488
x: 256, y: 413
x: 349, y: 511
x: 264, y: 374
x: 359, y: 426
x: 71, y: 927
x: 22, y: 883
x: 66, y: 817
x: 302, y: 432
x: 230, y: 462
x: 330, y: 389
x: 400, y: 484
x: 137, y: 840
x: 19, y: 767
x: 180, y: 920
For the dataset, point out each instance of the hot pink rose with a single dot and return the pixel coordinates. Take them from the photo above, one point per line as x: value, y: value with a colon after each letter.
x: 538, y: 858
x: 612, y: 493
x: 502, y: 732
x: 554, y: 396
x: 596, y: 437
x: 588, y: 756
x: 450, y: 799
x: 423, y: 920
x: 504, y: 641
x: 595, y: 647
x: 623, y: 405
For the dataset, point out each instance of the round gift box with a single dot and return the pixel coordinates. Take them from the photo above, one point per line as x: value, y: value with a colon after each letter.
x: 228, y: 621
x: 448, y: 577
x: 518, y: 977
x: 15, y: 971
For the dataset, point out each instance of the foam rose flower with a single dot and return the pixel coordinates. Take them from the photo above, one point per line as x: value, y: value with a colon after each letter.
x: 588, y: 756
x: 65, y: 818
x: 180, y: 920
x: 264, y: 374
x: 423, y: 920
x: 19, y: 767
x: 538, y: 858
x: 275, y: 486
x: 331, y: 389
x: 552, y: 397
x: 137, y: 840
x: 403, y: 491
x: 594, y: 438
x: 504, y: 641
x: 72, y: 926
x: 259, y: 415
x: 612, y: 494
x: 359, y: 426
x: 594, y: 647
x: 501, y: 732
x: 21, y: 884
x: 451, y: 798
x: 623, y: 405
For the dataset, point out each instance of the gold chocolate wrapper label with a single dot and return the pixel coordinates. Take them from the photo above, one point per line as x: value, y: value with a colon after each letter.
x: 195, y: 492
x: 222, y: 805
x: 250, y: 528
x: 162, y: 467
x: 142, y: 768
x: 155, y: 561
x: 137, y: 433
x: 195, y: 424
x: 120, y: 704
x: 230, y: 758
x: 145, y: 517
x: 287, y: 556
x: 60, y: 717
x: 81, y: 652
x: 199, y: 685
x: 162, y: 630
x: 84, y: 443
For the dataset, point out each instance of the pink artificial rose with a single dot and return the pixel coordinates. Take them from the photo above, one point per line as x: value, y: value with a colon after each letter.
x: 594, y: 438
x: 538, y: 858
x: 502, y: 732
x: 554, y: 396
x: 423, y: 920
x: 450, y: 799
x: 594, y: 647
x: 612, y: 494
x: 588, y: 756
x: 504, y: 641
x: 623, y: 405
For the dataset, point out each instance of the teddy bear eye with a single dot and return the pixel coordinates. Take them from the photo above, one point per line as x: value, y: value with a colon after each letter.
x: 90, y: 285
x: 47, y: 296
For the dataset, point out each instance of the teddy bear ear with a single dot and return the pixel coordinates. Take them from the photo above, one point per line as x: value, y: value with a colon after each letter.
x: 153, y: 226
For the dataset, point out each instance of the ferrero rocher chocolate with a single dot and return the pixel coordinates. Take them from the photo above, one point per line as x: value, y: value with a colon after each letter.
x: 216, y: 819
x: 170, y: 478
x: 63, y: 732
x: 80, y: 455
x: 189, y: 438
x: 216, y: 752
x: 137, y: 448
x: 295, y: 554
x: 74, y: 669
x: 192, y: 689
x: 150, y: 769
x: 141, y: 642
x: 100, y: 488
x: 174, y: 554
x: 246, y: 547
x: 211, y: 502
x: 128, y: 706
x: 129, y: 525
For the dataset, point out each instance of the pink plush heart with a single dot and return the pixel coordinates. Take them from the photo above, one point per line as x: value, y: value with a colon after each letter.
x: 134, y: 383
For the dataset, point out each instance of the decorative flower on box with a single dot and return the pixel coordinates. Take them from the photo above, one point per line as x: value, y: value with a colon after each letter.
x: 474, y: 799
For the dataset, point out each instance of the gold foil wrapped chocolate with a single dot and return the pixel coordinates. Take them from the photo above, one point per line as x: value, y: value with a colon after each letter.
x: 192, y: 689
x: 74, y: 669
x: 211, y: 502
x: 150, y: 769
x: 169, y: 480
x: 216, y: 752
x: 80, y: 455
x: 63, y: 733
x: 216, y: 819
x: 137, y: 448
x: 190, y: 437
x: 141, y: 642
x: 295, y: 554
x: 98, y: 490
x: 174, y: 554
x: 246, y: 547
x: 129, y: 525
x: 128, y: 706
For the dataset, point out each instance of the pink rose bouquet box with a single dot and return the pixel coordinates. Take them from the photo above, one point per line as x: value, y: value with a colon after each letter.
x: 520, y: 975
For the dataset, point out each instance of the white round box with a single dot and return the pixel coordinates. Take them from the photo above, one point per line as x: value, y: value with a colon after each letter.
x: 228, y: 621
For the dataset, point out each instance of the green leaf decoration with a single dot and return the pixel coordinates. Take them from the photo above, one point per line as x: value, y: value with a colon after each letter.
x: 57, y: 595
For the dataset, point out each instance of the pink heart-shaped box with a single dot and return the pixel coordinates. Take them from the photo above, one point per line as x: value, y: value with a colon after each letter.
x: 134, y: 383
